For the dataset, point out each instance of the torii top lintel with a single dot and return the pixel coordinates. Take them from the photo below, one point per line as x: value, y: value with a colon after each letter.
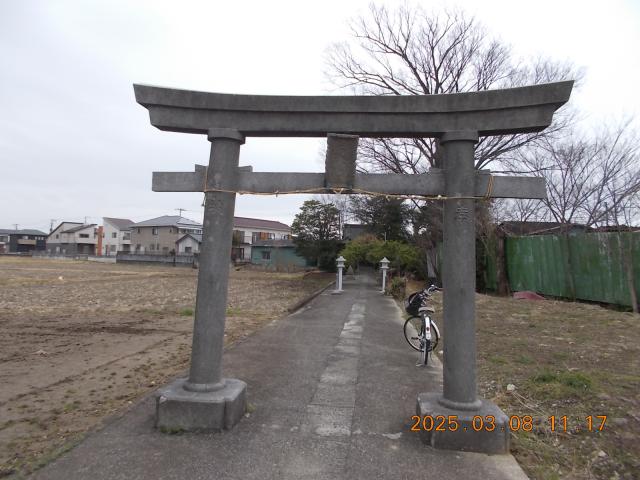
x: 491, y: 112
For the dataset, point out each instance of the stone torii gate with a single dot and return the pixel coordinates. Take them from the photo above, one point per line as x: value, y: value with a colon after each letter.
x: 206, y: 400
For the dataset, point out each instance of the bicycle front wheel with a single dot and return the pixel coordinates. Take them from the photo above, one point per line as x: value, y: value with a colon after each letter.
x: 413, y: 327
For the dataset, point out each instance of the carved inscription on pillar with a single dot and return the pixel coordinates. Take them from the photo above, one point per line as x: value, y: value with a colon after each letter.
x: 463, y: 214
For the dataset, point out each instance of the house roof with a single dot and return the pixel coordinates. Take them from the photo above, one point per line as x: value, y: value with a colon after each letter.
x: 119, y: 223
x: 245, y: 222
x: 168, y: 221
x: 617, y: 228
x: 274, y: 243
x: 196, y: 236
x: 21, y: 232
x: 78, y: 228
x: 538, y: 228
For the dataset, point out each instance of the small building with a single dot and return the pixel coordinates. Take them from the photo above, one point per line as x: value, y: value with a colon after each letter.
x: 277, y: 254
x: 116, y: 235
x: 73, y: 238
x: 160, y: 235
x: 22, y: 241
x: 189, y: 244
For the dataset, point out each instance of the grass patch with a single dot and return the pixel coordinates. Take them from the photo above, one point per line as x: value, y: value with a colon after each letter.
x: 186, y: 312
x: 524, y: 360
x: 70, y: 407
x: 497, y: 360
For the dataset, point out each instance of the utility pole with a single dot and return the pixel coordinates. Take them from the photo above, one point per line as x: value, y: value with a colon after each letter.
x: 15, y: 226
x: 53, y: 220
x: 180, y: 210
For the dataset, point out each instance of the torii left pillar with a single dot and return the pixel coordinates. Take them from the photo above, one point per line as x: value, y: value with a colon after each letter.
x: 206, y: 400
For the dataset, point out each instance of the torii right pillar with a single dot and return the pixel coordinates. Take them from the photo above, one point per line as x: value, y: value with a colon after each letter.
x: 459, y: 401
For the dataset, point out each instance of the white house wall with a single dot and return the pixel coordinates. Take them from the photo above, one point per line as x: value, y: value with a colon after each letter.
x: 108, y: 242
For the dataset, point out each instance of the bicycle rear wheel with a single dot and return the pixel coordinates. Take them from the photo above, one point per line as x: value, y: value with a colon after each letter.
x: 412, y: 329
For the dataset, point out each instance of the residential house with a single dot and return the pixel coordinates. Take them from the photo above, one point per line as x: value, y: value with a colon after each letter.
x: 246, y: 232
x: 22, y: 241
x: 73, y: 238
x: 117, y: 235
x: 159, y: 235
x: 276, y: 254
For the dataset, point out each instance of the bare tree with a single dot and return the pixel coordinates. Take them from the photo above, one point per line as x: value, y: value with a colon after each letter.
x: 592, y: 179
x: 410, y: 51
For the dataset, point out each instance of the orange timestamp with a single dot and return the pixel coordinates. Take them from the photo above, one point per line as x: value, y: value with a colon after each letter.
x: 488, y: 423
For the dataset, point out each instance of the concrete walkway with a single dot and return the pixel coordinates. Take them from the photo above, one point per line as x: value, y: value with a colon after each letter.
x: 332, y: 387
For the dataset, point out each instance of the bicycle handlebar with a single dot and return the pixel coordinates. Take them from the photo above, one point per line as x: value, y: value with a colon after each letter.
x: 433, y: 288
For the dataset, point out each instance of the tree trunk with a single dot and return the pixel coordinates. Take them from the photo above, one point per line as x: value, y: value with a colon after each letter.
x: 502, y: 278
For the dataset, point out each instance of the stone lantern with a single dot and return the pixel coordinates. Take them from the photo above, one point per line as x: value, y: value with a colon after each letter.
x: 384, y: 266
x: 340, y: 262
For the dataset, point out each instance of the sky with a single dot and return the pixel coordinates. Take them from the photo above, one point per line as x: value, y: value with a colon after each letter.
x: 75, y: 146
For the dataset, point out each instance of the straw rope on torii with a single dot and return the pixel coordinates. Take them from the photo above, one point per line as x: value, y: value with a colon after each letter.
x: 207, y: 400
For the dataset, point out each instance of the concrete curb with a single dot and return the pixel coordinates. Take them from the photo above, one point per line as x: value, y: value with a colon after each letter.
x: 304, y: 301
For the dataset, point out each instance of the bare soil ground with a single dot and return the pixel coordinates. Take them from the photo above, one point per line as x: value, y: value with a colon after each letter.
x: 80, y: 341
x: 562, y: 359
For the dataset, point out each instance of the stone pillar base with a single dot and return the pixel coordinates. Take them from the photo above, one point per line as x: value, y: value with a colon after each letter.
x: 483, y: 435
x: 178, y: 409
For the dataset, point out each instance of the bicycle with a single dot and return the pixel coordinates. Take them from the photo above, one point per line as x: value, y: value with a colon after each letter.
x: 420, y: 331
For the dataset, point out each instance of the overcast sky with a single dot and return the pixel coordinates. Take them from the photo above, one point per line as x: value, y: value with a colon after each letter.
x: 74, y: 144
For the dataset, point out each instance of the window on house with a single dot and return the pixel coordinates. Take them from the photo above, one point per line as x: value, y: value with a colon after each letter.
x: 151, y: 246
x: 84, y: 235
x: 114, y: 234
x: 238, y: 236
x: 113, y: 248
x: 154, y: 231
x: 138, y: 247
x: 4, y: 238
x: 57, y: 236
x: 138, y: 230
x: 165, y: 250
x: 187, y: 249
x: 126, y: 236
x: 266, y: 255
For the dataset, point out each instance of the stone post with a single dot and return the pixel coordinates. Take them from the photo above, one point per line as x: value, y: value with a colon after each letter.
x: 206, y: 400
x: 384, y: 266
x: 459, y: 399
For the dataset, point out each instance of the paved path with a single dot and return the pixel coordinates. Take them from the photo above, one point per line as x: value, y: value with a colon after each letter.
x: 333, y: 386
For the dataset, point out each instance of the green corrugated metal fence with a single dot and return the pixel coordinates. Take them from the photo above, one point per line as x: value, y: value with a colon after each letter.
x: 586, y: 266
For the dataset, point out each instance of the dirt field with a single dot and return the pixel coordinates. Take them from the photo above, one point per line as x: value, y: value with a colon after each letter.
x: 563, y: 359
x: 83, y: 340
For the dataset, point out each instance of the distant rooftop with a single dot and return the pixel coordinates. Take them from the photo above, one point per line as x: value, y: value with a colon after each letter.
x: 7, y: 231
x: 119, y: 223
x: 244, y: 222
x: 196, y: 236
x: 168, y: 221
x: 78, y: 228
